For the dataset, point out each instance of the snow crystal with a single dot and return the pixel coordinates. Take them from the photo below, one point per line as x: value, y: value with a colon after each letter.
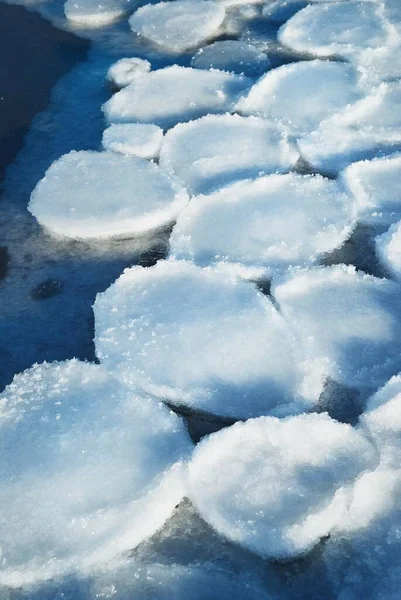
x: 232, y: 55
x: 101, y: 194
x: 176, y: 26
x: 369, y: 128
x: 278, y: 486
x: 348, y: 323
x: 126, y: 70
x: 94, y: 13
x: 200, y: 338
x: 88, y: 470
x: 336, y: 28
x: 218, y: 150
x: 320, y: 88
x: 138, y: 139
x: 376, y: 186
x: 168, y: 96
x: 273, y: 221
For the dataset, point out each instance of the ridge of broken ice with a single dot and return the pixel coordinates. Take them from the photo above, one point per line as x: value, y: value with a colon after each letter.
x: 90, y: 194
x: 198, y: 338
x: 187, y: 94
x: 89, y: 469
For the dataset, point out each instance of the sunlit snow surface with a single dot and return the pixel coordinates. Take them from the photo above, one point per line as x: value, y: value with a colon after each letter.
x: 242, y: 141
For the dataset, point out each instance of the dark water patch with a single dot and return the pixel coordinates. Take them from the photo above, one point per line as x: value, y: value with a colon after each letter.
x: 34, y: 56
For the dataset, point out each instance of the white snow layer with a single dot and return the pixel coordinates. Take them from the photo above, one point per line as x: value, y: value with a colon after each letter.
x: 137, y: 139
x: 271, y: 222
x: 232, y: 55
x: 388, y: 249
x: 95, y: 13
x: 217, y: 150
x: 176, y: 26
x: 336, y: 29
x: 376, y: 187
x: 200, y: 338
x: 175, y: 94
x: 101, y: 194
x: 88, y: 469
x: 126, y: 70
x: 348, y: 323
x: 278, y: 486
x: 367, y: 129
x: 300, y: 95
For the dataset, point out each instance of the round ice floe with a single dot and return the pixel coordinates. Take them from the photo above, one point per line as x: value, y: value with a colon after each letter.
x: 126, y: 70
x: 137, y: 139
x: 88, y: 470
x: 367, y: 129
x: 95, y: 13
x: 200, y: 338
x: 103, y: 194
x: 178, y: 25
x: 388, y: 249
x: 301, y: 94
x: 278, y: 486
x: 217, y: 150
x: 168, y: 96
x: 273, y: 221
x: 336, y: 28
x: 232, y: 55
x: 376, y: 187
x: 348, y: 323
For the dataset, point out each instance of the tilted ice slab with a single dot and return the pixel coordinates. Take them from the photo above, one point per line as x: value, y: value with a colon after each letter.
x: 367, y: 129
x: 102, y: 194
x: 199, y: 338
x: 96, y: 13
x: 271, y: 222
x: 348, y: 323
x: 388, y: 249
x: 176, y: 26
x: 88, y: 470
x: 168, y: 96
x: 232, y: 55
x: 137, y: 139
x: 126, y: 70
x: 336, y: 28
x: 300, y: 95
x: 278, y: 486
x: 215, y: 151
x: 376, y: 187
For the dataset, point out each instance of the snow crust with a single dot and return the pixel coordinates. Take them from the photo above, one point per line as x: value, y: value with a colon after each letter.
x: 88, y: 468
x: 295, y: 476
x: 136, y: 139
x: 214, y: 151
x: 271, y: 222
x: 187, y: 94
x: 199, y: 338
x: 102, y: 194
x: 176, y: 26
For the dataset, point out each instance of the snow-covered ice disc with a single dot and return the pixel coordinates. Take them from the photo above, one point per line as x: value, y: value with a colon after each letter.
x: 103, y: 194
x: 376, y: 187
x: 198, y: 338
x: 176, y: 26
x: 232, y: 55
x: 272, y: 222
x: 96, y: 13
x: 336, y: 28
x: 300, y: 95
x: 348, y: 323
x: 126, y: 70
x: 367, y: 129
x: 278, y: 486
x: 88, y: 469
x: 137, y: 139
x: 168, y: 96
x: 217, y: 150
